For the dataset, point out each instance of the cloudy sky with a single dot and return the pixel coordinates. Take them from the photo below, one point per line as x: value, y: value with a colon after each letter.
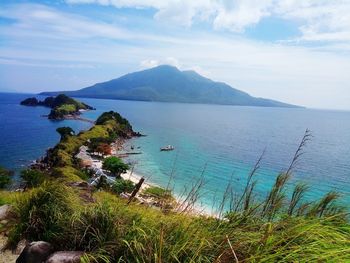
x: 297, y: 51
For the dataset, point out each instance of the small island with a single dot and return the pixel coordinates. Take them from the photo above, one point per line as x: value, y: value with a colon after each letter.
x: 62, y: 106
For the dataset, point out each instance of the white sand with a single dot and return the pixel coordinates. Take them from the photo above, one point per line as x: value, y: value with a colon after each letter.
x: 135, y: 178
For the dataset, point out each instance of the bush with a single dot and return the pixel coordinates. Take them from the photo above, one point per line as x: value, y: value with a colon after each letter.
x: 94, y: 228
x: 114, y: 165
x: 121, y: 186
x: 65, y: 132
x: 32, y: 177
x: 157, y: 192
x: 5, y: 177
x: 111, y: 115
x: 43, y: 213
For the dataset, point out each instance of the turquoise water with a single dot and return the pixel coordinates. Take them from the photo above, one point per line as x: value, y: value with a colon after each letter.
x: 224, y: 141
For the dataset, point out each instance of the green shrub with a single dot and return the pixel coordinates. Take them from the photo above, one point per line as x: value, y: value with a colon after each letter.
x: 157, y: 192
x: 43, y: 213
x: 5, y: 177
x: 114, y: 165
x: 111, y: 115
x: 65, y: 132
x: 121, y: 186
x: 68, y: 173
x: 32, y: 177
x: 94, y: 228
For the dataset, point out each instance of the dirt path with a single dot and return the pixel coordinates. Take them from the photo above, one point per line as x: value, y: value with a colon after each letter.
x: 6, y: 256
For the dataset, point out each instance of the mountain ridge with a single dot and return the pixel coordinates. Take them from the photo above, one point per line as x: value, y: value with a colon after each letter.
x: 168, y: 84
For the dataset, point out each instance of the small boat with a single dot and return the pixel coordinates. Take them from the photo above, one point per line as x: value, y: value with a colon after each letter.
x: 167, y: 148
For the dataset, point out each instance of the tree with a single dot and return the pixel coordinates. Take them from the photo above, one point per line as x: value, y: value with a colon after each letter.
x: 100, y: 145
x: 121, y: 186
x: 115, y: 165
x: 65, y: 132
x: 104, y: 149
x: 5, y: 177
x: 32, y: 177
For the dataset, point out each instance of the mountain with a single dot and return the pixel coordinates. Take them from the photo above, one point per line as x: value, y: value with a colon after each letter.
x: 169, y: 84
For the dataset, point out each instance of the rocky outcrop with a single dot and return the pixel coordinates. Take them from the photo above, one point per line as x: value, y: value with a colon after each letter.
x: 30, y: 102
x: 65, y: 257
x: 41, y: 251
x: 35, y: 252
x: 5, y: 212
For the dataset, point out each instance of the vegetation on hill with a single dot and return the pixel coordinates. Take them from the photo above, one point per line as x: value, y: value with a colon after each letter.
x: 5, y: 177
x: 61, y: 105
x: 123, y: 186
x: 65, y: 132
x: 169, y: 84
x: 115, y: 165
x: 279, y: 228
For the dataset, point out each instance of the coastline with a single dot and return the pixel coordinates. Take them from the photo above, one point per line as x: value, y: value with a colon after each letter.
x: 135, y: 178
x: 181, y: 205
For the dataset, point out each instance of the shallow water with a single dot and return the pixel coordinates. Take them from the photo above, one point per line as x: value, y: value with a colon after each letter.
x: 222, y: 141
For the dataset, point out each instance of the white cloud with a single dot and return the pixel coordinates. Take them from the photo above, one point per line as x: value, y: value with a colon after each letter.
x: 150, y: 63
x: 241, y: 14
x: 41, y: 20
x: 320, y: 20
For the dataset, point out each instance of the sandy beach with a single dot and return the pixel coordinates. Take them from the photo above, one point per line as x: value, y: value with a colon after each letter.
x: 135, y: 178
x: 118, y: 149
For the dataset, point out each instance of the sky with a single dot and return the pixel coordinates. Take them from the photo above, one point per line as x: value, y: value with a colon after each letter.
x: 296, y: 51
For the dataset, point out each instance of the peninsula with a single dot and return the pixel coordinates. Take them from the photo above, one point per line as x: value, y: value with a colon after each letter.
x: 62, y: 106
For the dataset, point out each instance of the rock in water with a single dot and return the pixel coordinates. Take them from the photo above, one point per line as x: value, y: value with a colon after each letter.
x: 65, y: 257
x: 30, y: 102
x: 35, y: 252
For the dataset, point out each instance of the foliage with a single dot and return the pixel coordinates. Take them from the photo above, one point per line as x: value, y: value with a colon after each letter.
x: 63, y: 110
x: 5, y: 177
x: 157, y: 192
x: 115, y: 165
x: 121, y: 186
x: 94, y: 228
x: 61, y: 105
x: 8, y: 197
x: 69, y: 174
x: 32, y: 177
x: 30, y: 102
x: 63, y: 99
x: 111, y: 115
x: 102, y: 183
x: 101, y: 145
x: 65, y: 132
x: 43, y: 213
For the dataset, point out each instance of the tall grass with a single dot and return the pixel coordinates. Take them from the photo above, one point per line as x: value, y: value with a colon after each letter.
x: 43, y: 213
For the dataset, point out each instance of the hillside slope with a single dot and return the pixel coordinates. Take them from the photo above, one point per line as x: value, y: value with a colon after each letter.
x: 169, y: 84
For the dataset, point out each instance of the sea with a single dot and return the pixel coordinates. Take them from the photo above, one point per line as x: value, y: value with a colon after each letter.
x: 214, y: 144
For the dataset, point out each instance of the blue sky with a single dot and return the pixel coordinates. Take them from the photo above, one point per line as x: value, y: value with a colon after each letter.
x: 290, y: 50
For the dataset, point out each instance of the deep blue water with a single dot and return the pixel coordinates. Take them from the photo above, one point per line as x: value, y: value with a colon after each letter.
x: 224, y: 141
